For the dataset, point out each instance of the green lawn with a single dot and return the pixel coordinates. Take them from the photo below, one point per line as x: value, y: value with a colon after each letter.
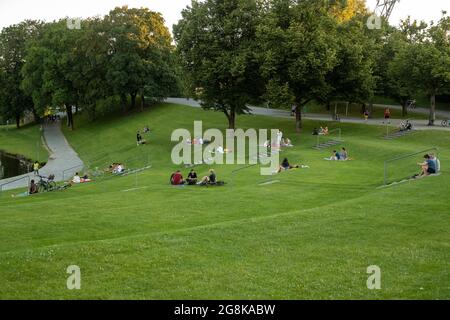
x: 24, y: 141
x: 310, y: 235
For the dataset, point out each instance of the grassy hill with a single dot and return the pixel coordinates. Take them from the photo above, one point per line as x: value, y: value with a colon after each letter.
x: 312, y: 234
x: 24, y: 141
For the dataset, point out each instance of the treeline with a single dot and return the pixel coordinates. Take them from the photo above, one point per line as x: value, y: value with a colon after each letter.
x: 92, y: 64
x: 287, y: 53
x: 228, y: 54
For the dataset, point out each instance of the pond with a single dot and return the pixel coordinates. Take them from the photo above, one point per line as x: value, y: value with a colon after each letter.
x: 13, y: 165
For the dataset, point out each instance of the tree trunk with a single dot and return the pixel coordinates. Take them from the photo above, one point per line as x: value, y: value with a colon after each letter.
x: 363, y: 108
x: 18, y: 121
x: 133, y: 100
x: 69, y: 117
x: 404, y: 108
x: 232, y: 119
x: 36, y: 117
x: 142, y: 102
x: 370, y: 110
x: 298, y: 118
x: 123, y: 102
x: 328, y: 105
x: 432, y: 110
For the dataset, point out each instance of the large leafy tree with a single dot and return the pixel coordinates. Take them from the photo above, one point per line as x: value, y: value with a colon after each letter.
x: 49, y: 63
x: 218, y: 51
x: 299, y: 50
x: 352, y: 78
x: 140, y: 54
x: 14, y: 41
x: 423, y: 62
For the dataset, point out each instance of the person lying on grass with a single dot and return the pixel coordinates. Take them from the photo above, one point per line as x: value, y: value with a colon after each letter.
x: 427, y: 167
x: 285, y: 165
x: 176, y: 179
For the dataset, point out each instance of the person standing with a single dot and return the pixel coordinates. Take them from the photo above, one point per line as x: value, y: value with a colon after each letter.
x: 36, y: 168
x: 387, y: 115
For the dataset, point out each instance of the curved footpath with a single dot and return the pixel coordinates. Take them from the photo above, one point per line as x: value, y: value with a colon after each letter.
x: 418, y: 124
x: 63, y: 161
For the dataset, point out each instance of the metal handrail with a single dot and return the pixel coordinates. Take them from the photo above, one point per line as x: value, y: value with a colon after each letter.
x: 386, y: 162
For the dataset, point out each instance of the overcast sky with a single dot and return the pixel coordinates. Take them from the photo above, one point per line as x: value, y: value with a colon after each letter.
x: 14, y: 11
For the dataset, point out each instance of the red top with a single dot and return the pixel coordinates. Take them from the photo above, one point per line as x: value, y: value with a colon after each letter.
x: 177, y: 178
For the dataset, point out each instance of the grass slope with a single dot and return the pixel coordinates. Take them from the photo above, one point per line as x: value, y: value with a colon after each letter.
x: 24, y: 141
x: 311, y: 235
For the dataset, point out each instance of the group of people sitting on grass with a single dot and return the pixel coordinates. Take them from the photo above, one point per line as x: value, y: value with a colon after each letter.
x: 339, y: 155
x: 176, y: 179
x: 321, y: 131
x: 116, y: 168
x: 431, y: 165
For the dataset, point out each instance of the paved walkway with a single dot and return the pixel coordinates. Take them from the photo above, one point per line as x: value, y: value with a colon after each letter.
x: 63, y: 161
x: 418, y: 124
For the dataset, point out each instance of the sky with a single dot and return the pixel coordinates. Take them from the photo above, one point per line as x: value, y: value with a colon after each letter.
x: 15, y: 11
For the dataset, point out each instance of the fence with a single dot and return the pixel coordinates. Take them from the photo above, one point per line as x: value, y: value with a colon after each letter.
x: 10, y: 184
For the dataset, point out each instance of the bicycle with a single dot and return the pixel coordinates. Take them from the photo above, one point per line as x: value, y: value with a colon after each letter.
x: 445, y: 123
x: 46, y: 185
x: 412, y: 104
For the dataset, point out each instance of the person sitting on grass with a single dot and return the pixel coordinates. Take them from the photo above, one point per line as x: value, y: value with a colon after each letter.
x: 210, y: 179
x: 118, y: 169
x: 343, y: 155
x: 285, y: 165
x: 192, y: 178
x: 315, y: 132
x: 436, y: 161
x: 336, y: 156
x: 286, y: 142
x: 139, y: 139
x: 428, y: 166
x: 33, y: 189
x: 76, y: 178
x: 177, y: 179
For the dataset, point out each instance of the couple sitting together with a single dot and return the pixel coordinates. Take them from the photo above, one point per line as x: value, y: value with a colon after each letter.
x: 339, y: 156
x: 177, y: 179
x: 77, y: 179
x: 431, y: 165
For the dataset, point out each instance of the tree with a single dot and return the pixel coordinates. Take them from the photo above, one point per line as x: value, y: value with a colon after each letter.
x: 352, y: 77
x: 298, y: 46
x: 49, y: 62
x: 14, y: 40
x: 139, y: 60
x: 216, y: 43
x: 423, y: 62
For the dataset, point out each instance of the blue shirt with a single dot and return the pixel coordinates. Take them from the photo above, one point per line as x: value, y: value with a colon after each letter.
x: 431, y: 164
